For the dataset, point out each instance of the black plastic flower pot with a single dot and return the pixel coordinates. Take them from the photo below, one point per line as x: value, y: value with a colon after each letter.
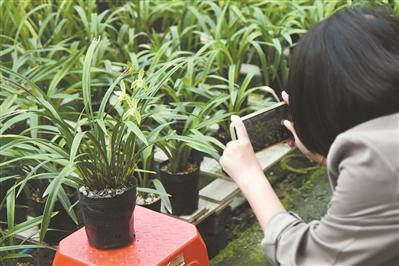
x: 183, y: 188
x: 154, y: 206
x: 109, y: 222
x: 151, y: 203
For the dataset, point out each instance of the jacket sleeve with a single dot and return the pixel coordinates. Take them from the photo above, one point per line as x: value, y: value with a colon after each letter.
x: 361, y: 226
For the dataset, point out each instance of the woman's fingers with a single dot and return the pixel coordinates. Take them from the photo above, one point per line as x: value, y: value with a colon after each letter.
x: 285, y: 97
x: 240, y: 127
x: 311, y: 155
x: 291, y: 142
x: 289, y: 126
x: 229, y: 144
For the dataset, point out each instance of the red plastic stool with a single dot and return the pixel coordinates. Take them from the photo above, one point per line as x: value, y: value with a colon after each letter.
x: 160, y: 240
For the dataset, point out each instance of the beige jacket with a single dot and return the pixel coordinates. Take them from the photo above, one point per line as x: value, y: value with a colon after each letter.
x: 361, y: 226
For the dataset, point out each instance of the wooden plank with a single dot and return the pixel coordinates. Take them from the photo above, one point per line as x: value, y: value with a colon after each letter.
x: 202, y: 209
x: 267, y: 158
x: 210, y: 208
x: 271, y: 155
x: 205, y: 208
x: 237, y: 201
x: 223, y: 205
x: 219, y: 191
x: 211, y: 167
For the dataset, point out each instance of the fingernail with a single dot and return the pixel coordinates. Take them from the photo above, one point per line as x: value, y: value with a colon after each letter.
x: 234, y: 117
x: 282, y: 122
x: 283, y: 93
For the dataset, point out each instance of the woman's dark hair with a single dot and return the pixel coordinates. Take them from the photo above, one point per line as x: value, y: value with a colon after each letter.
x: 344, y: 71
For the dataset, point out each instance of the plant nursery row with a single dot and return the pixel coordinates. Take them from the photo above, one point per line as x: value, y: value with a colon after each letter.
x: 91, y: 90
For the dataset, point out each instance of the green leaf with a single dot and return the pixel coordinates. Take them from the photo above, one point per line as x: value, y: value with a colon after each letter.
x: 163, y: 194
x: 21, y: 227
x: 52, y: 192
x: 66, y: 203
x: 198, y: 143
x: 75, y: 146
x: 101, y: 124
x: 86, y: 82
x: 19, y: 247
x: 11, y: 208
x: 135, y: 129
x: 66, y: 67
x: 15, y: 256
x: 107, y: 95
x: 14, y: 120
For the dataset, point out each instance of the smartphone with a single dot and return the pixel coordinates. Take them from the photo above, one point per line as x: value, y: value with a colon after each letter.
x: 264, y: 126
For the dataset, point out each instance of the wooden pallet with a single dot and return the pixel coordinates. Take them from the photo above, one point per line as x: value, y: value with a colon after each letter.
x: 219, y: 193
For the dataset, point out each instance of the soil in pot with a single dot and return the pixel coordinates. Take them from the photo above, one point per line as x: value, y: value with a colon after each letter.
x: 61, y: 225
x: 183, y: 188
x: 149, y: 200
x: 108, y: 218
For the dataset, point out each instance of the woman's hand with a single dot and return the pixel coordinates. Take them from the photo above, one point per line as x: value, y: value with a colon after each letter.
x: 297, y: 142
x: 239, y: 160
x: 240, y: 163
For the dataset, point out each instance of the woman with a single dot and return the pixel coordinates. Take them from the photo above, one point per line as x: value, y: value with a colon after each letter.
x: 344, y: 101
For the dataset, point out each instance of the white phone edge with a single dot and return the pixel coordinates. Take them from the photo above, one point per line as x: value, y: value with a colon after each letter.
x: 232, y: 132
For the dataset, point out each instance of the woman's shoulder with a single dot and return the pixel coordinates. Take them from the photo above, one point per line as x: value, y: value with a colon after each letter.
x: 370, y: 148
x: 373, y: 130
x: 363, y: 167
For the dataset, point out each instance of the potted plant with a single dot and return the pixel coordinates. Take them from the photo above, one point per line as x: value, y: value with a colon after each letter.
x: 180, y: 173
x: 146, y: 108
x: 104, y: 155
x: 97, y: 151
x: 102, y: 151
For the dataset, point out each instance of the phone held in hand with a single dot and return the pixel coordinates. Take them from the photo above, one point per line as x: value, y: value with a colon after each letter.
x: 264, y: 126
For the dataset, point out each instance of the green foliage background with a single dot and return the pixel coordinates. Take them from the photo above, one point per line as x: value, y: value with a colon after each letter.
x: 185, y: 64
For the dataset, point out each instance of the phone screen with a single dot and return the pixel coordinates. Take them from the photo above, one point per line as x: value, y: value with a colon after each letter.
x: 264, y: 127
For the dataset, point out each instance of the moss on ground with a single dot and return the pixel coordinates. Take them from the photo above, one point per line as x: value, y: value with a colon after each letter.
x: 244, y: 250
x: 307, y: 194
